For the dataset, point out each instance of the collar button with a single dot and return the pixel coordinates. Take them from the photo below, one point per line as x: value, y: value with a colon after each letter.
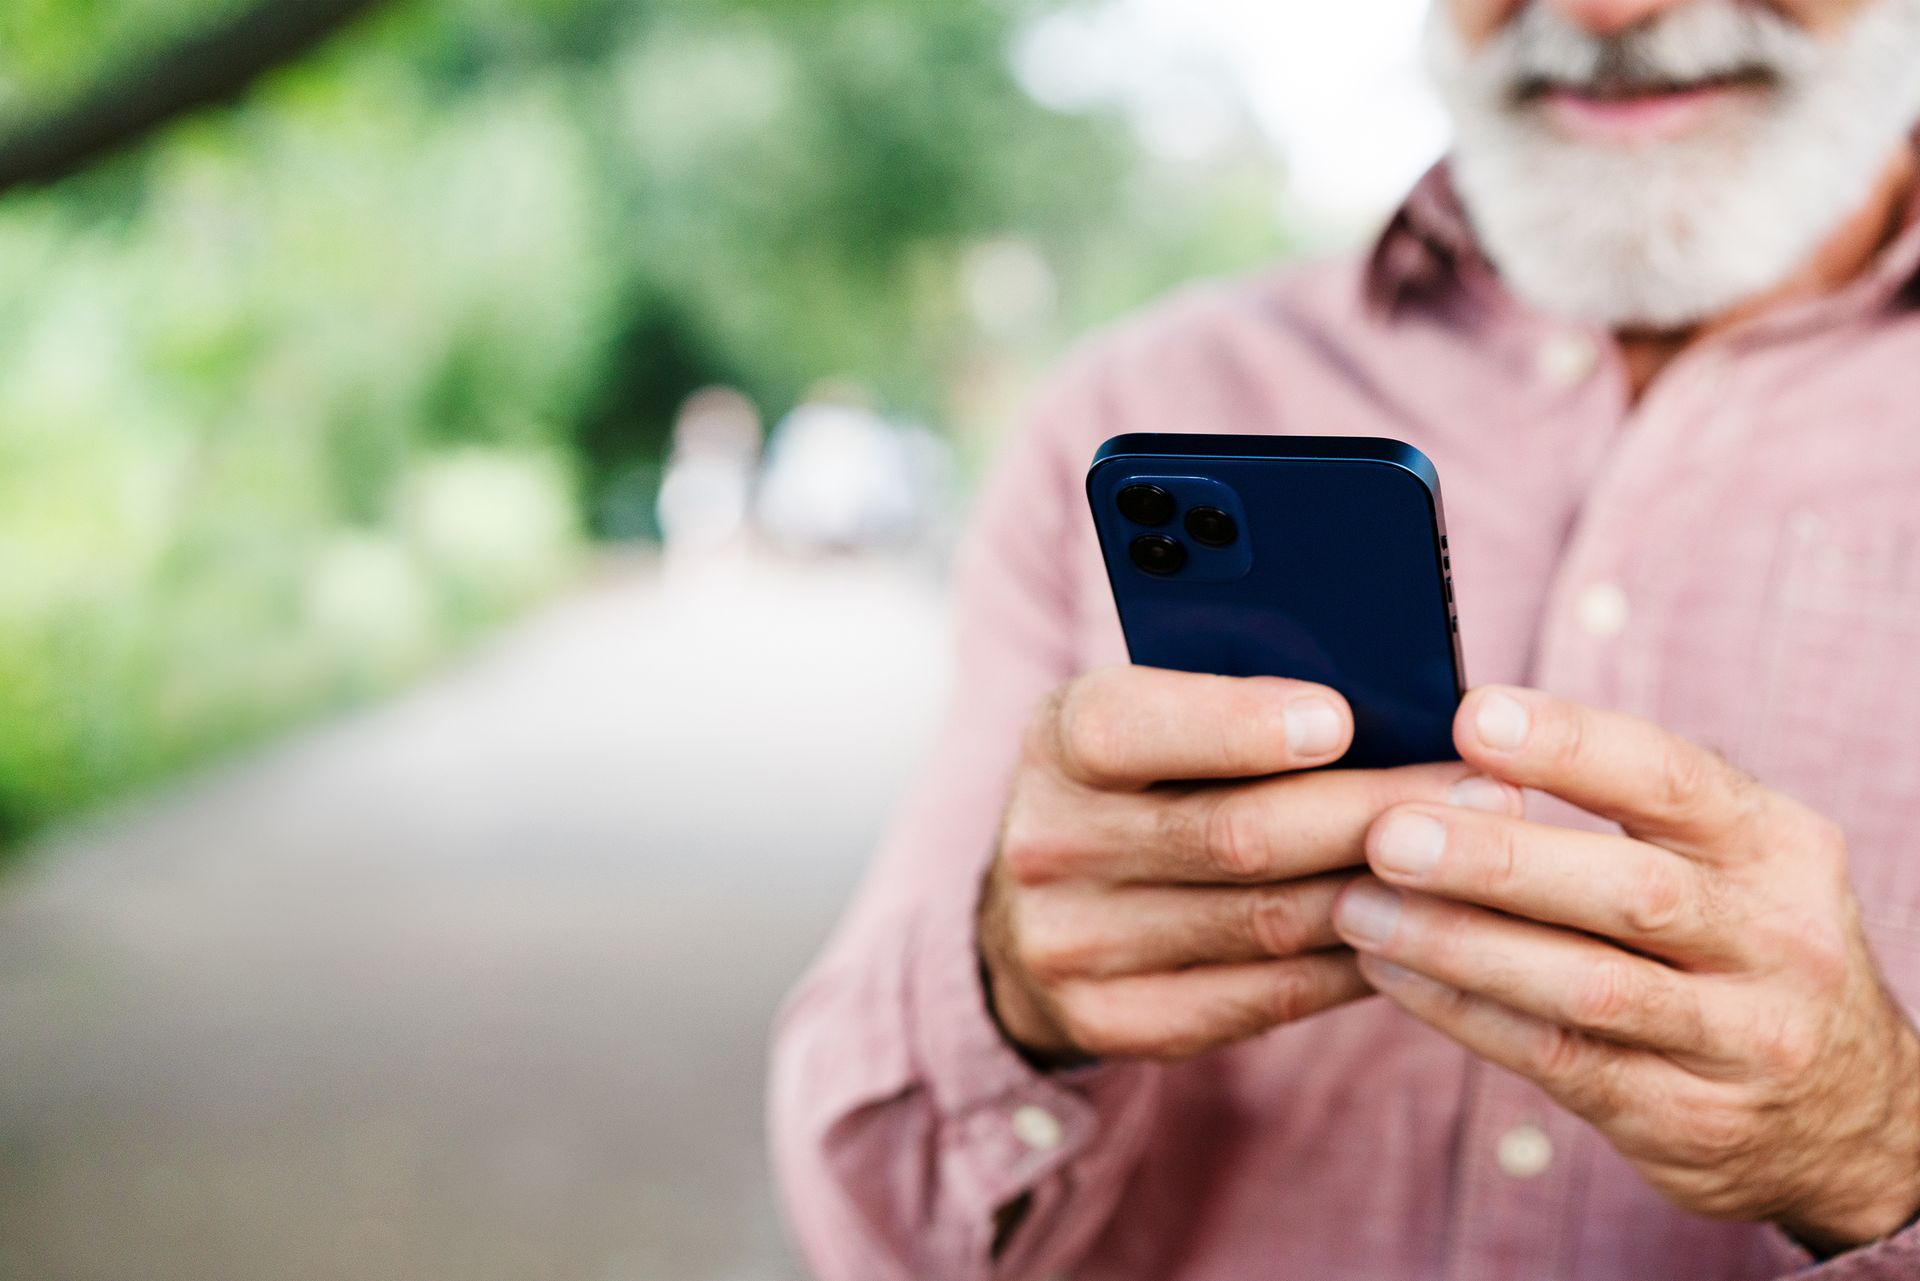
x: 1567, y: 360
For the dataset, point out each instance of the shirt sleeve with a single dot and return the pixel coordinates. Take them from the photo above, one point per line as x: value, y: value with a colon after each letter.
x: 902, y: 1122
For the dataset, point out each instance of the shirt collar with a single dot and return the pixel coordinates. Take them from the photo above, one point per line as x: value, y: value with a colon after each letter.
x: 1429, y: 247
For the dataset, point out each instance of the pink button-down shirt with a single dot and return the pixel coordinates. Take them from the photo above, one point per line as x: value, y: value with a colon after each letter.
x: 1737, y: 556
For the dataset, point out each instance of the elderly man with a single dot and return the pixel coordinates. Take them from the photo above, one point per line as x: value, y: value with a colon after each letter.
x: 1622, y: 996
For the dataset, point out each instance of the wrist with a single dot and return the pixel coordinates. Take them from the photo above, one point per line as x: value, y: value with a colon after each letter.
x: 1883, y: 1196
x: 1857, y: 1228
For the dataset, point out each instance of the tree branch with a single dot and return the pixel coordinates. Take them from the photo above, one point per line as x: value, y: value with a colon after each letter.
x: 205, y: 69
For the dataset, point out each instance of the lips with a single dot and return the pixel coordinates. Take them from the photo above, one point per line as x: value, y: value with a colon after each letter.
x: 1621, y: 111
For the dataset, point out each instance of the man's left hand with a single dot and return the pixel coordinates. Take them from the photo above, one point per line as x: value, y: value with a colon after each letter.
x: 1699, y: 988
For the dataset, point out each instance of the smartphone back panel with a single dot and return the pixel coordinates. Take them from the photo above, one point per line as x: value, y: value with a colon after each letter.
x: 1320, y: 558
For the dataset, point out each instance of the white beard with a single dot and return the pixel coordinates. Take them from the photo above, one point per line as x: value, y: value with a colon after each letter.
x: 1664, y: 234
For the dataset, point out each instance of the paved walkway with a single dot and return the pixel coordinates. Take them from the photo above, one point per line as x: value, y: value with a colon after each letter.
x: 474, y: 986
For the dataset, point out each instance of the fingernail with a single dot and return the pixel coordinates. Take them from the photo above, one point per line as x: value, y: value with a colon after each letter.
x: 1501, y: 722
x: 1384, y: 973
x: 1478, y: 792
x: 1369, y: 913
x: 1313, y: 727
x: 1409, y: 844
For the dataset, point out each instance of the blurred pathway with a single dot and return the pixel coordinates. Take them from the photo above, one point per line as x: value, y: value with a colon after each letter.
x: 473, y: 986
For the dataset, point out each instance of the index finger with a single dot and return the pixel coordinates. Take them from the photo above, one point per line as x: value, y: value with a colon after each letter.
x: 1127, y: 728
x: 1285, y: 828
x: 1657, y: 785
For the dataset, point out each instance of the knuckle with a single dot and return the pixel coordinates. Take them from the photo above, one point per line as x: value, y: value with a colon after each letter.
x: 1235, y: 837
x: 1501, y: 869
x: 1818, y: 949
x: 1584, y: 1080
x: 1711, y: 1132
x: 1294, y: 996
x: 1789, y: 1049
x: 1275, y: 922
x: 1656, y: 897
x: 1090, y: 735
x: 1051, y: 948
x: 1557, y: 1054
x: 1606, y: 996
x: 1033, y: 852
x: 1684, y: 776
x: 1823, y: 947
x: 1569, y: 744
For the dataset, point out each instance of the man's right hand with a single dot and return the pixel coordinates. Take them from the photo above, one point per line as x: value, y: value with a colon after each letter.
x: 1166, y: 875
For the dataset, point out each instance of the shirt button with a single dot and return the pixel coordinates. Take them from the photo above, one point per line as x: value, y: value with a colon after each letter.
x: 1565, y: 360
x: 1602, y: 610
x: 1038, y: 1128
x: 1524, y: 1152
x: 1807, y: 526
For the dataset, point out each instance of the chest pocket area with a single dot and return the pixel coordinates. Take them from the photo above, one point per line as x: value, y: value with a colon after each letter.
x: 1837, y: 706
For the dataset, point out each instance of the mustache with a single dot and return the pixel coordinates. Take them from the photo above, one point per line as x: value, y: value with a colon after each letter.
x: 1706, y: 43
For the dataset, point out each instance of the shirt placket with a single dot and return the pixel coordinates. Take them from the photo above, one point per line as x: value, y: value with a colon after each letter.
x: 1523, y: 1160
x: 1519, y: 1181
x: 1589, y: 648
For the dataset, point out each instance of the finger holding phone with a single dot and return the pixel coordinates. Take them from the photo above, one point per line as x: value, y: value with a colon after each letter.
x: 1170, y: 858
x: 1698, y: 987
x: 1174, y: 845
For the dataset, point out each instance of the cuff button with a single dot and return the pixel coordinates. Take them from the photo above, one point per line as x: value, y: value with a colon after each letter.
x: 1038, y: 1128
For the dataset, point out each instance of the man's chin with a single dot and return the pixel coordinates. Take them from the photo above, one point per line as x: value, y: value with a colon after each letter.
x: 1633, y: 302
x: 1629, y: 238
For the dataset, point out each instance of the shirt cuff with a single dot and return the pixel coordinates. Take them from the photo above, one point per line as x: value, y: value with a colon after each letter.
x: 1009, y: 1128
x: 1895, y: 1259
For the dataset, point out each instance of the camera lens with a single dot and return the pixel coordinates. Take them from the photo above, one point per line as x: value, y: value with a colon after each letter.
x: 1158, y: 554
x: 1146, y: 504
x: 1211, y: 527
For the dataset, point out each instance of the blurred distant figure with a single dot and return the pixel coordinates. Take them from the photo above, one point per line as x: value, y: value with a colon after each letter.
x: 707, y: 492
x: 840, y: 477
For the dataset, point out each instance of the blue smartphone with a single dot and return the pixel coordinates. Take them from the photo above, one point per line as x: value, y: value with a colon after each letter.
x: 1323, y: 558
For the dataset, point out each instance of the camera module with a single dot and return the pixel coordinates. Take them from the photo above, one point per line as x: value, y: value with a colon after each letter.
x: 1146, y: 504
x: 1158, y: 554
x: 1212, y: 527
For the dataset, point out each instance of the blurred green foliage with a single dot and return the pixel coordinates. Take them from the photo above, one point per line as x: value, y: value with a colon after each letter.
x: 309, y: 391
